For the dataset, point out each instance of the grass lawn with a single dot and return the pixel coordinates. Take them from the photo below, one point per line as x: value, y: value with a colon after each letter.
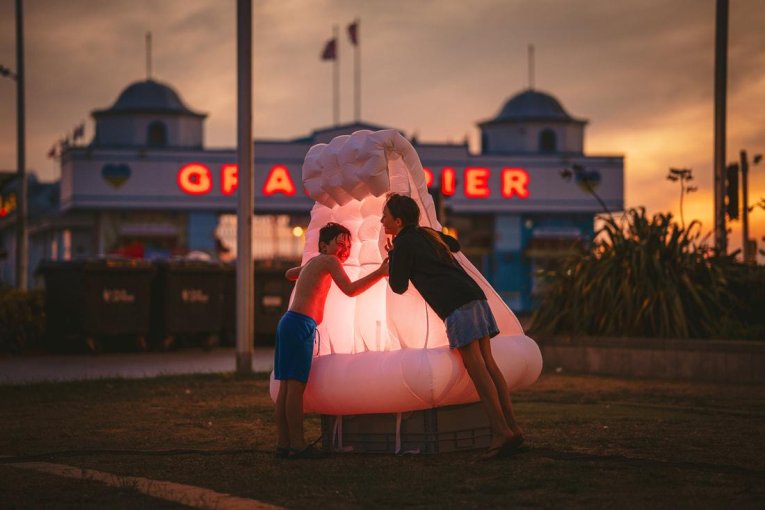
x: 591, y: 443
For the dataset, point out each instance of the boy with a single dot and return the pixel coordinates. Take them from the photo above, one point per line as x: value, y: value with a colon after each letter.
x: 296, y: 330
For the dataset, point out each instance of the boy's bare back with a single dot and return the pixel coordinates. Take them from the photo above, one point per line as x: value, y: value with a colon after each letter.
x: 315, y: 279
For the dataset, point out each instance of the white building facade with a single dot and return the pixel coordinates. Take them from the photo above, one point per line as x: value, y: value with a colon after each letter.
x: 146, y: 187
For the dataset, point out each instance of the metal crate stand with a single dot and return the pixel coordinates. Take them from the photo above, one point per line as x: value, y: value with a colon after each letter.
x: 436, y: 430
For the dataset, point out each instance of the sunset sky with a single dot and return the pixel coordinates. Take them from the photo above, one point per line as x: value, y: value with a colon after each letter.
x: 641, y: 71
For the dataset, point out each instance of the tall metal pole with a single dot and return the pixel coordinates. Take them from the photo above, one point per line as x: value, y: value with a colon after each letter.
x: 747, y: 257
x: 357, y: 73
x: 336, y: 87
x: 721, y: 75
x: 22, y: 246
x: 245, y: 296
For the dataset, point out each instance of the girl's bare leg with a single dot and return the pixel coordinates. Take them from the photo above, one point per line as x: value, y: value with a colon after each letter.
x: 476, y: 369
x: 500, y: 384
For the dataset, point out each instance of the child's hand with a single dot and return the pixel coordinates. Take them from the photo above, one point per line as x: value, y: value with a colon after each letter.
x: 388, y: 245
x: 384, y: 267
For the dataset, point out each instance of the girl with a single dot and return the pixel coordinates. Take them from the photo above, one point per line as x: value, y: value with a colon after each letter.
x: 424, y: 257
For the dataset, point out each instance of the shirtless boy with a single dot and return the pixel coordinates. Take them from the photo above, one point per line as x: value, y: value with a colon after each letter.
x: 296, y: 330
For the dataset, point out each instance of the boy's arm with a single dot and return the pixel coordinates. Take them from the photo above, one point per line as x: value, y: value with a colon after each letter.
x: 293, y: 273
x: 345, y: 284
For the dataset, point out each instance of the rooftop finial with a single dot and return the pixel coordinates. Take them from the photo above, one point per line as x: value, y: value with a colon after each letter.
x: 531, y: 66
x: 148, y: 56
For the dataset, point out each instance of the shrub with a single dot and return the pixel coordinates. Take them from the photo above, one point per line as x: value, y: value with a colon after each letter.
x: 745, y: 318
x: 645, y: 277
x: 22, y: 320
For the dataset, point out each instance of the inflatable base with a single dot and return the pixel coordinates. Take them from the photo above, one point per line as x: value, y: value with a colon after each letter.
x: 409, y: 379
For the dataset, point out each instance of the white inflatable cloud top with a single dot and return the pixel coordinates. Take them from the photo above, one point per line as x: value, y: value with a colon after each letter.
x: 381, y: 352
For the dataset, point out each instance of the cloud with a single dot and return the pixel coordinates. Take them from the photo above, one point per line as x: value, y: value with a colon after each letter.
x: 641, y: 71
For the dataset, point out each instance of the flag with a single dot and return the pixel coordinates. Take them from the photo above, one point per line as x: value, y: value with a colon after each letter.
x: 79, y: 131
x: 330, y: 50
x: 353, y: 33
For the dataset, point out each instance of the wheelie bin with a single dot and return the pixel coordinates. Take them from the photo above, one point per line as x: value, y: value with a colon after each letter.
x: 97, y: 303
x: 188, y: 303
x: 272, y: 297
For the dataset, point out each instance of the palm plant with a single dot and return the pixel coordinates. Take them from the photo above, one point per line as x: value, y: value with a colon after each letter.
x: 646, y: 277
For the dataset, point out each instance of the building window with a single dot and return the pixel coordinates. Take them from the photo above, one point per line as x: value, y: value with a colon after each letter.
x: 275, y: 238
x: 157, y: 134
x: 547, y: 141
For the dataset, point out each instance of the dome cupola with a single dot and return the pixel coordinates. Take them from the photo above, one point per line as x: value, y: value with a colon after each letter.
x: 148, y: 114
x: 532, y: 105
x: 532, y: 122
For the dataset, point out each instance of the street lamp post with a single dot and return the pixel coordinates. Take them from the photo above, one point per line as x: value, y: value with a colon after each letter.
x: 245, y: 293
x: 720, y: 86
x: 22, y: 246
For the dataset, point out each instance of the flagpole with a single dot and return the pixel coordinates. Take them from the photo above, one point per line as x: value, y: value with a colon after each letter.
x: 357, y: 66
x: 336, y: 87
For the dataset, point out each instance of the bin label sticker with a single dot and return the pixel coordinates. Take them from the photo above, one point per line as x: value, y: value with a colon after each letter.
x: 272, y: 301
x: 117, y: 296
x: 194, y: 296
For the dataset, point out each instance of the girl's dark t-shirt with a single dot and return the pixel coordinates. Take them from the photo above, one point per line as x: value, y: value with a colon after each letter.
x: 438, y: 277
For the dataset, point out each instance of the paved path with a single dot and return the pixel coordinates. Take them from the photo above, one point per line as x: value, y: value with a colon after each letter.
x: 189, y: 495
x: 48, y: 368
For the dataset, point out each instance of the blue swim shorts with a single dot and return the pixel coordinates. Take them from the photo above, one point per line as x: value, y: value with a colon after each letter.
x: 471, y: 321
x: 294, y: 346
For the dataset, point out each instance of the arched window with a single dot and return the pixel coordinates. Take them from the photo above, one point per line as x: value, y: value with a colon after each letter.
x: 157, y: 136
x: 547, y: 141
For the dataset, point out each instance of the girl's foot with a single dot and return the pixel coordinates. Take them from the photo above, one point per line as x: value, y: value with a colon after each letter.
x: 309, y: 452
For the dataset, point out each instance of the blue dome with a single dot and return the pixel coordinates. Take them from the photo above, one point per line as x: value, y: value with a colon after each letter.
x: 149, y: 97
x: 532, y: 105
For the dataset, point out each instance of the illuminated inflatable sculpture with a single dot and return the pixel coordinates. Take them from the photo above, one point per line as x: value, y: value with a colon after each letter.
x: 381, y: 352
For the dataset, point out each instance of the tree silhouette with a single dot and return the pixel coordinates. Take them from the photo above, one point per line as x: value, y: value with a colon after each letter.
x: 587, y: 181
x: 683, y: 176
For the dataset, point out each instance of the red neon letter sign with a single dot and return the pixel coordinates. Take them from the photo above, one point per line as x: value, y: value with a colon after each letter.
x: 229, y: 179
x: 195, y: 179
x: 515, y: 181
x: 448, y: 181
x: 476, y: 182
x: 279, y: 181
x: 428, y: 176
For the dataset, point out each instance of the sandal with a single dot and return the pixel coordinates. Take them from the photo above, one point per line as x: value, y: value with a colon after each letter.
x: 309, y: 452
x: 510, y: 447
x: 491, y: 453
